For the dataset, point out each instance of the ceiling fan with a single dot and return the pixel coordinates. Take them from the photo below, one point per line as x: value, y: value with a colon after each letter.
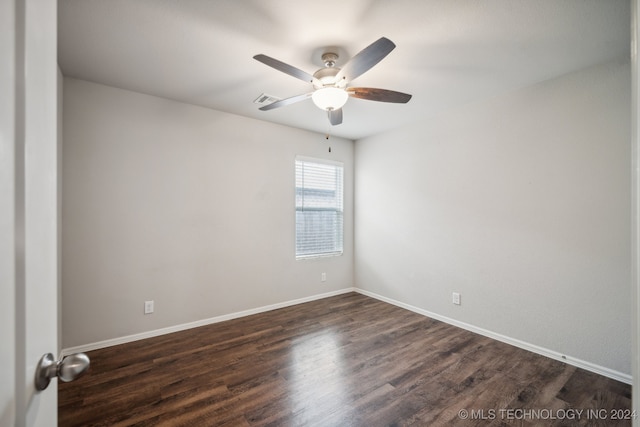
x: 330, y: 84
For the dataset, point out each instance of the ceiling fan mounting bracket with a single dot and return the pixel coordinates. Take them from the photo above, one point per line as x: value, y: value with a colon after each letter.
x: 329, y: 59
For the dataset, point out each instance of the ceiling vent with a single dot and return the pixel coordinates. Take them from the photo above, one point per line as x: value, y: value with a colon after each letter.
x: 265, y: 99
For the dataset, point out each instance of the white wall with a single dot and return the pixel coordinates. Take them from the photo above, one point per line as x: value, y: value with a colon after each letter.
x: 189, y: 207
x: 521, y: 204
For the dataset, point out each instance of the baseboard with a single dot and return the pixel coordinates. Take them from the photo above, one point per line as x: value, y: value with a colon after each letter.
x: 601, y: 370
x: 204, y: 322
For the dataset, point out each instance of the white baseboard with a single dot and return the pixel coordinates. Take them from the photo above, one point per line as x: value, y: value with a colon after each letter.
x: 601, y: 370
x: 185, y: 326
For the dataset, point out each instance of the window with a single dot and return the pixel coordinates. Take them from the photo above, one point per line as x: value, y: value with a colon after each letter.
x: 319, y: 215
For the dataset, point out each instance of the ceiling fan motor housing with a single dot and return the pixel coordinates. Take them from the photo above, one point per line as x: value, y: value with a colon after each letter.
x: 327, y: 76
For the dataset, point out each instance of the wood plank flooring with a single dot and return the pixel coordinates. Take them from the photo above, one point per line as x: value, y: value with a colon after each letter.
x: 348, y: 360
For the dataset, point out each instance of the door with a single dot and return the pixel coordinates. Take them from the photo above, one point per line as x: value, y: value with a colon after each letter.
x: 28, y: 208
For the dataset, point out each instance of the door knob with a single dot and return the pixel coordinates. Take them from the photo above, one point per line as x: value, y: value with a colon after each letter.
x: 67, y: 369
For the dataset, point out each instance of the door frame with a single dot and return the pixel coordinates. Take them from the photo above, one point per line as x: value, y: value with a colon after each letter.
x: 635, y: 210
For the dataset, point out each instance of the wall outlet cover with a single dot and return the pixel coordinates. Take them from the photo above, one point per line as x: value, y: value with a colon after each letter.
x: 456, y: 298
x: 148, y: 307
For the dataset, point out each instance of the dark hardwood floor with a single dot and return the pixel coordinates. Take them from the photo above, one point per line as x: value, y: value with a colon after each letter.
x: 348, y: 360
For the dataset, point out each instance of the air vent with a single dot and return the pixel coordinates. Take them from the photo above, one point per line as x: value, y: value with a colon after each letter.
x: 265, y: 99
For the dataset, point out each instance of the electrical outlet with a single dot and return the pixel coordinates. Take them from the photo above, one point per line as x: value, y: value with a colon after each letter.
x: 148, y: 307
x: 323, y: 277
x: 456, y: 298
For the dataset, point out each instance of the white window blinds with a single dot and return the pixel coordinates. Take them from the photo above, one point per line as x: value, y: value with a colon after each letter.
x: 319, y: 212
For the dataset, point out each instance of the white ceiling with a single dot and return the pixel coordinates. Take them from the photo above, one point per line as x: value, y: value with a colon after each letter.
x: 449, y: 52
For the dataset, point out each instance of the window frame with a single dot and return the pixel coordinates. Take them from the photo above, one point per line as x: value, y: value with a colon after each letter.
x: 339, y: 231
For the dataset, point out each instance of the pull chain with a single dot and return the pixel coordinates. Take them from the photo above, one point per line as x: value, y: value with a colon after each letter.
x: 327, y: 135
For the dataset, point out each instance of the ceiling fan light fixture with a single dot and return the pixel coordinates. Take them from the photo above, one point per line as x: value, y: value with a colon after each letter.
x: 330, y: 83
x: 330, y: 98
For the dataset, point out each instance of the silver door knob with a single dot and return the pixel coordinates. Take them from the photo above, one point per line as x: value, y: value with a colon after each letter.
x: 68, y: 369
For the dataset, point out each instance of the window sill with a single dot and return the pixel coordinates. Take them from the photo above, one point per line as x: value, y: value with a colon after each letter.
x: 316, y: 256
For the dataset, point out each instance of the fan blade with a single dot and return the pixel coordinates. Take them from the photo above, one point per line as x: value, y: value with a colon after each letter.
x: 335, y: 116
x: 380, y: 95
x: 286, y: 68
x: 286, y: 101
x: 365, y: 59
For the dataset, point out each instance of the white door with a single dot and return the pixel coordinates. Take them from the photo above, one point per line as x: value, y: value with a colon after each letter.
x: 28, y: 208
